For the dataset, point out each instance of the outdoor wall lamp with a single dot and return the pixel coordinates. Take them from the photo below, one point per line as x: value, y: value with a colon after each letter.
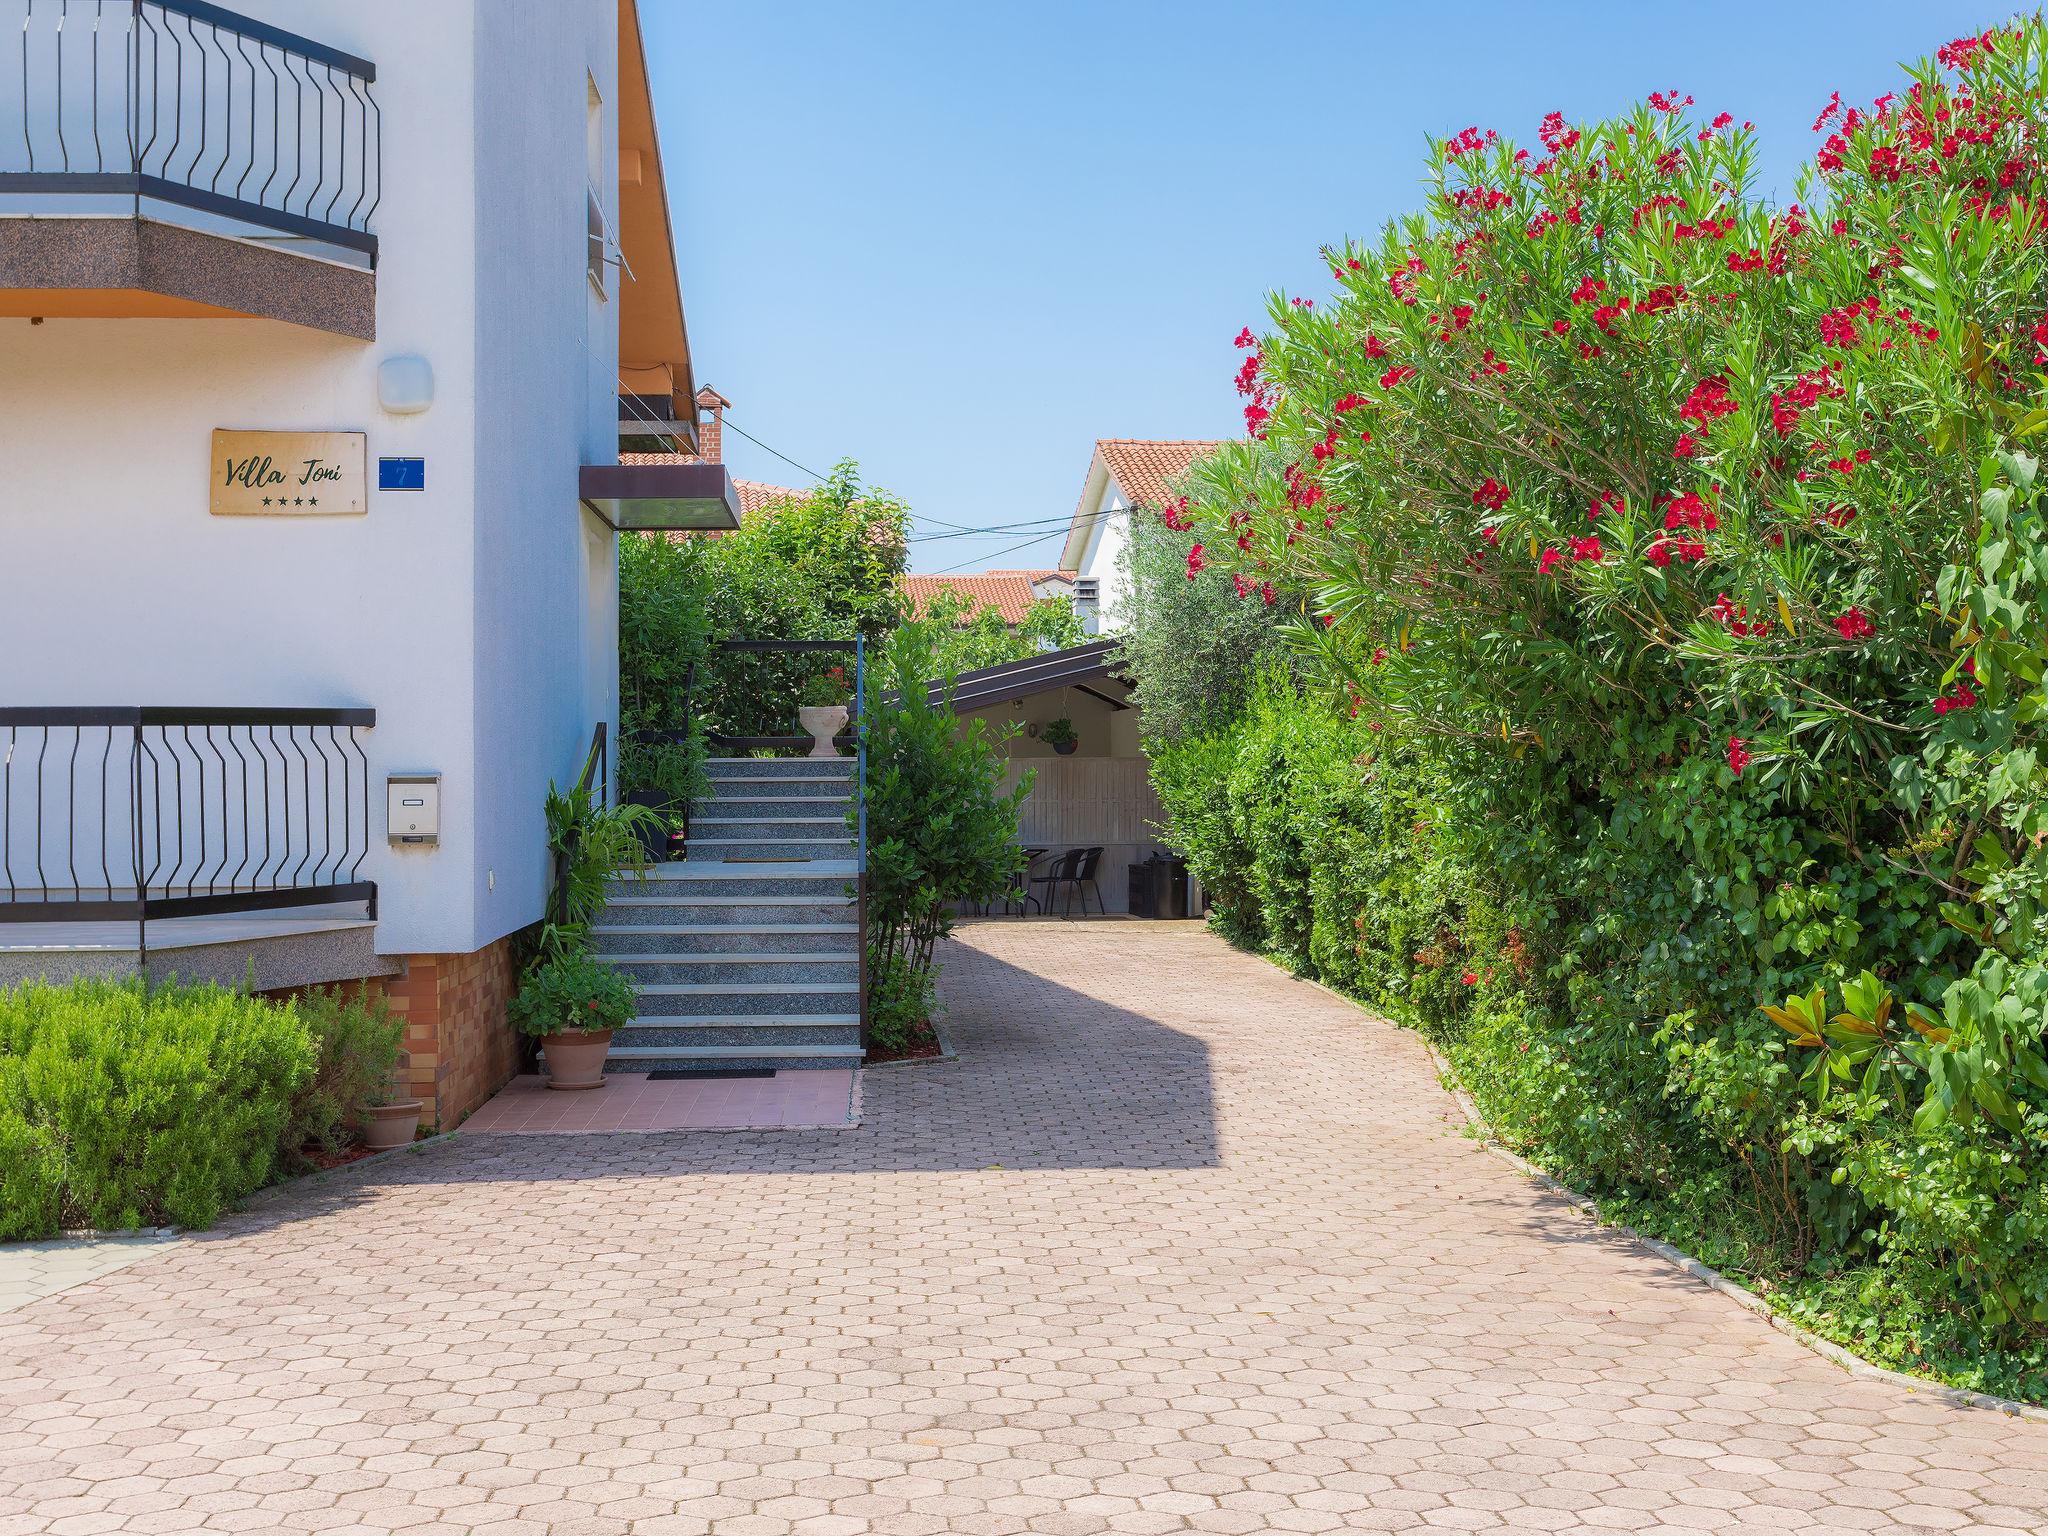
x: 405, y: 384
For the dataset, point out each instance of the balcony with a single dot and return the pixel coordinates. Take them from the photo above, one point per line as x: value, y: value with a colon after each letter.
x: 204, y: 843
x: 169, y: 158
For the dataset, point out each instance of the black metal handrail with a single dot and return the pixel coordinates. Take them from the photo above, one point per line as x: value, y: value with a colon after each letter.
x: 186, y: 102
x: 137, y: 812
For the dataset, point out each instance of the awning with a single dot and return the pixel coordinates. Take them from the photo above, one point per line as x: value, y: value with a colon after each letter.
x: 657, y: 497
x: 1093, y: 668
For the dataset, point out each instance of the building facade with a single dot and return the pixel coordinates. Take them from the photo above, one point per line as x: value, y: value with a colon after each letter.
x: 1124, y: 474
x: 416, y: 257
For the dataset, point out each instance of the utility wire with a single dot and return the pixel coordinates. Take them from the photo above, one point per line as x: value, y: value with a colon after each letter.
x: 792, y: 463
x: 949, y: 570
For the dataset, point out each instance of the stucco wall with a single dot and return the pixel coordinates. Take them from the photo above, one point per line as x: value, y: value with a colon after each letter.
x: 546, y: 624
x: 477, y: 617
x: 1102, y: 557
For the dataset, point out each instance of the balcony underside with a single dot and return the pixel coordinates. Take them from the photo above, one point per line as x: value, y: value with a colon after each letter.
x: 106, y: 268
x: 291, y: 947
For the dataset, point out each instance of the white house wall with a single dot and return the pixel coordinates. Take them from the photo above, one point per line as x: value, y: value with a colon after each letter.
x: 477, y: 617
x: 546, y: 364
x: 1102, y: 558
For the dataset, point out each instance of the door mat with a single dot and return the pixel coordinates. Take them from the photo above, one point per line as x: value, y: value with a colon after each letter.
x: 685, y: 1074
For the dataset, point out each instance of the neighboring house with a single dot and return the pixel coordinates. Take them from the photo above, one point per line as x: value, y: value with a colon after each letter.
x: 1125, y: 473
x: 322, y: 322
x: 1010, y: 593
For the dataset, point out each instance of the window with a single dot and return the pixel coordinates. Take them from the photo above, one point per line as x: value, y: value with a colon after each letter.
x: 596, y: 234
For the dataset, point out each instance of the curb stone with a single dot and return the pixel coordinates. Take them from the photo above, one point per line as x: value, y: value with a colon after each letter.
x: 1677, y: 1258
x: 946, y: 1053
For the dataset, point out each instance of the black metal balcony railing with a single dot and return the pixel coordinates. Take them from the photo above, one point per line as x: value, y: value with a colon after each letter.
x: 135, y: 813
x: 188, y: 103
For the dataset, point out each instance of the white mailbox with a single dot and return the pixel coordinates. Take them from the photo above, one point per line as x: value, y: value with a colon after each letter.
x: 413, y: 808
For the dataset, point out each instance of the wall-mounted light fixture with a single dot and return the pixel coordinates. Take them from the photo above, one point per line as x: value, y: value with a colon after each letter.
x: 405, y: 384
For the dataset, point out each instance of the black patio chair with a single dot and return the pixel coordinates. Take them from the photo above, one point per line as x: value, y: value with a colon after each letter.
x: 1063, y: 872
x: 1084, y: 881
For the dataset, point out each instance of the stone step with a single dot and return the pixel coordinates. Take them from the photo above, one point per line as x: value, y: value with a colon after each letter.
x: 820, y: 1029
x: 650, y: 969
x: 699, y: 999
x: 720, y: 769
x: 669, y: 882
x: 736, y: 1058
x: 761, y: 787
x: 771, y: 805
x: 725, y: 824
x: 831, y: 935
x: 713, y: 849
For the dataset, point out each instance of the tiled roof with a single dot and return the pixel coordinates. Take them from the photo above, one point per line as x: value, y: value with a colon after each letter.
x: 753, y: 495
x: 1008, y: 592
x: 1145, y: 469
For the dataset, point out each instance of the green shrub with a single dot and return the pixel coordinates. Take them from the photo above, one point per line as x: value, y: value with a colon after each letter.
x: 356, y: 1040
x: 122, y: 1106
x: 570, y: 992
x: 940, y: 827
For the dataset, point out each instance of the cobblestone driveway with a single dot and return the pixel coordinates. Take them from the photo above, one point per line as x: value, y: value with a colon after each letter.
x: 1177, y: 1245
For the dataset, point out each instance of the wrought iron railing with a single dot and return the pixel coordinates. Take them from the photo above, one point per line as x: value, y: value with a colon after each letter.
x: 188, y: 103
x: 135, y: 813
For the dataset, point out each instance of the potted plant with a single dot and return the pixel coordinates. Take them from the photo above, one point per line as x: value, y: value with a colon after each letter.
x: 823, y: 710
x: 1059, y: 735
x: 571, y: 1003
x: 393, y: 1117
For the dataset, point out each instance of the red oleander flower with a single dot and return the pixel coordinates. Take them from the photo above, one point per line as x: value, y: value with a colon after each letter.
x: 1855, y: 625
x: 1245, y: 338
x: 1379, y: 654
x: 1491, y: 494
x: 1470, y: 978
x: 1550, y: 557
x: 1587, y: 548
x: 1351, y: 403
x: 1686, y: 447
x: 1738, y: 755
x: 1196, y: 561
x: 1395, y: 376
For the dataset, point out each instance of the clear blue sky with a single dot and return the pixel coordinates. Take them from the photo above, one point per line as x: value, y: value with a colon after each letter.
x: 959, y: 240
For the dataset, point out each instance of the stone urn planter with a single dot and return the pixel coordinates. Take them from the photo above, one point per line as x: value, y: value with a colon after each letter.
x: 824, y: 722
x: 391, y: 1125
x: 575, y: 1058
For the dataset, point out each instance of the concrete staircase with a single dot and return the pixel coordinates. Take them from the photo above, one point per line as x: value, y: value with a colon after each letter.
x: 746, y: 953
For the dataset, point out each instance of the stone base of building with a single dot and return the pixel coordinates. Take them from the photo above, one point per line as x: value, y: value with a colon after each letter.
x: 459, y: 1045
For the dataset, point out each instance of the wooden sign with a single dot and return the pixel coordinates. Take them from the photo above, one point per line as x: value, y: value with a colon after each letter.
x: 289, y: 474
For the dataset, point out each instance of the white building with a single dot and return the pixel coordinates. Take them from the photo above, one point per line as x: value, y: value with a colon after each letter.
x: 1126, y: 473
x: 436, y: 235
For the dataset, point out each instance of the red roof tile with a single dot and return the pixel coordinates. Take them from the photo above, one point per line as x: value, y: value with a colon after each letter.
x: 1146, y: 469
x: 1008, y: 592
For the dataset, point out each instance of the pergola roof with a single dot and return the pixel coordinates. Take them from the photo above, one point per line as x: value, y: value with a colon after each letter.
x: 1093, y: 668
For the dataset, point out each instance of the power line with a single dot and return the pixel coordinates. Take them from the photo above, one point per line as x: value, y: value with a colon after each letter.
x: 949, y: 570
x: 792, y: 463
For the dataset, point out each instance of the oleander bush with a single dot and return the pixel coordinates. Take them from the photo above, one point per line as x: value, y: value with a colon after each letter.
x: 125, y: 1106
x: 1666, y: 579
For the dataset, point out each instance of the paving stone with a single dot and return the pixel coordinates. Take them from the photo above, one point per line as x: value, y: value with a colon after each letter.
x: 1177, y: 1244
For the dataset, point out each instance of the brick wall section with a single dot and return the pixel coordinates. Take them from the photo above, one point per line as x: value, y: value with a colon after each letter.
x: 462, y: 1049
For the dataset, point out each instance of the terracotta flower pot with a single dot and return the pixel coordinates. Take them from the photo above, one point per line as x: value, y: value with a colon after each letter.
x: 575, y: 1059
x: 391, y: 1125
x: 823, y: 721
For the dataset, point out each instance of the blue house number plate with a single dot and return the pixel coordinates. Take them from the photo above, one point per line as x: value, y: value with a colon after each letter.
x: 401, y: 474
